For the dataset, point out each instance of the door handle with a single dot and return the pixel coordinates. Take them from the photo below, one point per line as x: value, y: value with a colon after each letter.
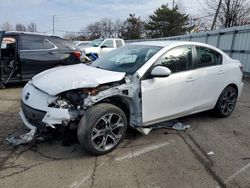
x: 190, y: 79
x: 221, y: 72
x: 51, y: 53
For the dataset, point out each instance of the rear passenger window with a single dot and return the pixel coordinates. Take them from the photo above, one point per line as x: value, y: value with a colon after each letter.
x: 177, y: 59
x: 48, y: 44
x: 118, y: 43
x: 36, y: 43
x: 207, y: 57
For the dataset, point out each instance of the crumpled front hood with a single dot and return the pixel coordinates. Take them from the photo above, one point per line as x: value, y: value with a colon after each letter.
x: 57, y: 80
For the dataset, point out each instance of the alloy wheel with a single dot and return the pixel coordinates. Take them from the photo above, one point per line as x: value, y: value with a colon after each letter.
x: 107, y: 132
x: 228, y: 101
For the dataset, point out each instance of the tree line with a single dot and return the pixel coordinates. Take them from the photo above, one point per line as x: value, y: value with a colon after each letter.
x: 163, y: 22
x: 6, y: 26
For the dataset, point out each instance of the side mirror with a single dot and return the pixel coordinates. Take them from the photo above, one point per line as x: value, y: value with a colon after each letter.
x: 160, y: 71
x: 103, y: 46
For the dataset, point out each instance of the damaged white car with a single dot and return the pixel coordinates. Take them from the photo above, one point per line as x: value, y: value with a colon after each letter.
x: 139, y: 84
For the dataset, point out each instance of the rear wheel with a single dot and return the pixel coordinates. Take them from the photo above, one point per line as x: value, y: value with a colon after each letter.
x: 102, y: 128
x: 226, y: 102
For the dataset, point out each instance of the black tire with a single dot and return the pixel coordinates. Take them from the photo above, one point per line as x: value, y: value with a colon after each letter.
x: 97, y: 134
x: 226, y: 102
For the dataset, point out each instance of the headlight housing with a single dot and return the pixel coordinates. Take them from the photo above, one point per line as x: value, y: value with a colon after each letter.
x: 62, y: 103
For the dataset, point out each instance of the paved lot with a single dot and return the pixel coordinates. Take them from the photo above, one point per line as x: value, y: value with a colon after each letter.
x: 164, y: 158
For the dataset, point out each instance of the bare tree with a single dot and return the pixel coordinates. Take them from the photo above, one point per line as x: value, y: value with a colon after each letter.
x: 32, y: 27
x: 231, y: 13
x: 107, y: 27
x: 103, y: 28
x: 20, y: 27
x: 93, y: 31
x: 6, y: 26
x: 118, y: 28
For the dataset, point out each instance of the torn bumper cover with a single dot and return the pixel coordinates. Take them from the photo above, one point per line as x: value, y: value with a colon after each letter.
x: 52, y: 117
x: 24, y: 138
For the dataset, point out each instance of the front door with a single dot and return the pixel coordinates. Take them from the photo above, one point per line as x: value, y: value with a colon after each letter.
x: 172, y: 96
x: 107, y: 46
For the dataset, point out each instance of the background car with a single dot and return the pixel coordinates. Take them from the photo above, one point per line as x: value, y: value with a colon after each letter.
x: 139, y: 84
x: 99, y: 47
x: 23, y: 55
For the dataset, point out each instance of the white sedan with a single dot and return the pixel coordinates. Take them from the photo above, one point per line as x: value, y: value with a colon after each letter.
x: 139, y: 84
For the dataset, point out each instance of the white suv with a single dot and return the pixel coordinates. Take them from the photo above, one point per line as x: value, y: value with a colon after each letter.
x: 138, y: 85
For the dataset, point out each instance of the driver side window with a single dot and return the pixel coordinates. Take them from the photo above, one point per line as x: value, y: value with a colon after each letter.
x: 108, y: 43
x: 177, y: 59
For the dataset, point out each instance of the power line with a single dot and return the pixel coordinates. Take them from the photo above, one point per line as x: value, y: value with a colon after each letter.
x: 216, y: 14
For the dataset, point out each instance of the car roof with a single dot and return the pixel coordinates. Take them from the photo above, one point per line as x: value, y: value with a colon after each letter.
x: 166, y: 43
x: 29, y: 33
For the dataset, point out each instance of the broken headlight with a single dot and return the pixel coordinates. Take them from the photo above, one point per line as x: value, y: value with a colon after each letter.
x: 61, y: 103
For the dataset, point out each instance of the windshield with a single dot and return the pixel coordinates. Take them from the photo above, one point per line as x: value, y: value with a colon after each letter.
x: 96, y: 43
x: 126, y: 59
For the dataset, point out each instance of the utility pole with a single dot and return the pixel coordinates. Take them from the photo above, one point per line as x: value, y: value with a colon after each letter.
x: 53, y: 24
x: 216, y: 14
x: 173, y: 5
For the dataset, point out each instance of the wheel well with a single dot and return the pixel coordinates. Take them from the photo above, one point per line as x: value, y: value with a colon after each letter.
x: 235, y: 87
x: 120, y: 103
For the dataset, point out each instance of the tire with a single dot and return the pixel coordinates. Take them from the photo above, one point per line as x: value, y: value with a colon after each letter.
x: 102, y: 128
x: 226, y: 102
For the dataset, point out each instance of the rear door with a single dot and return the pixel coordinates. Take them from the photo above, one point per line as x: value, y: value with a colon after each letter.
x: 1, y: 38
x: 36, y: 55
x: 210, y: 75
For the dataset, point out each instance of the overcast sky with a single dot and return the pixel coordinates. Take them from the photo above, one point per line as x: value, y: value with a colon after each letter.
x: 72, y: 15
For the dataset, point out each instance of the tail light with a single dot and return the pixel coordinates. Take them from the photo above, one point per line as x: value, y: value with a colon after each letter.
x: 241, y: 67
x: 77, y: 54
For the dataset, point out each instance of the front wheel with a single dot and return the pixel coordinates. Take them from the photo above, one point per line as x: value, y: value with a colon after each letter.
x: 102, y: 128
x: 226, y: 102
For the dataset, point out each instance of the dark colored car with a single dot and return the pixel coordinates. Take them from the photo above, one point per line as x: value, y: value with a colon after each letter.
x: 23, y: 55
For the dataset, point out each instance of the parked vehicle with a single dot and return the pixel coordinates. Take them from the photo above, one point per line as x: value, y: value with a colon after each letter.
x: 79, y: 45
x: 23, y: 55
x: 137, y: 85
x: 99, y: 47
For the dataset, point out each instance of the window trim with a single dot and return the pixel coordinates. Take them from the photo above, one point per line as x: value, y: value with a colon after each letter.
x: 195, y: 63
x: 38, y: 50
x: 147, y: 73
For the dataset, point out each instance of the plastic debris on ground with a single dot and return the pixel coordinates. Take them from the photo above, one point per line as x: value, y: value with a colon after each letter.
x: 174, y: 124
x: 210, y: 153
x: 22, y: 139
